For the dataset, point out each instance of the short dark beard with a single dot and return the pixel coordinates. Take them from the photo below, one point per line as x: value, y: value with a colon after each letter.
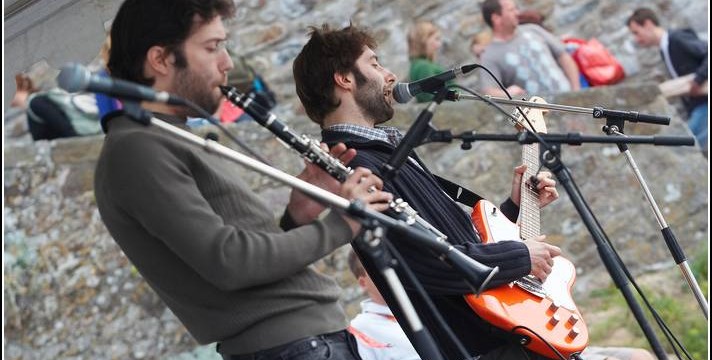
x: 192, y: 87
x: 369, y: 98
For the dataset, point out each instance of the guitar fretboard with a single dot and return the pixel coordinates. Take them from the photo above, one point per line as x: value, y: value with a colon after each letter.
x: 529, y: 221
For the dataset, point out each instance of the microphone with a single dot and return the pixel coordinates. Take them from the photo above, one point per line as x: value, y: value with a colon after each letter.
x: 403, y: 92
x: 75, y: 77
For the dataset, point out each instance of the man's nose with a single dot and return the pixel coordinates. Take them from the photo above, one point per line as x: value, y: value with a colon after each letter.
x: 227, y: 63
x: 390, y: 77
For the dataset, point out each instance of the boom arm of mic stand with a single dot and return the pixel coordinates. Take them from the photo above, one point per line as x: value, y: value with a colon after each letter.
x: 469, y: 137
x: 596, y: 112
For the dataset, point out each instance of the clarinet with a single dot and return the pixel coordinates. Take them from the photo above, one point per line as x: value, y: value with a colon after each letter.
x: 475, y: 273
x: 309, y: 149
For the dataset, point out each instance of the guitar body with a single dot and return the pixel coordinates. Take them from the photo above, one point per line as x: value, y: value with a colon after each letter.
x: 527, y: 306
x: 509, y: 306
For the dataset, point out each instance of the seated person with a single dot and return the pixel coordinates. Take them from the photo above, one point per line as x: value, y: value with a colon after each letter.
x: 378, y: 334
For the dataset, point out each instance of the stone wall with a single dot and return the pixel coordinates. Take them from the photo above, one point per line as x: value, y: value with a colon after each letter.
x: 270, y: 33
x: 70, y: 293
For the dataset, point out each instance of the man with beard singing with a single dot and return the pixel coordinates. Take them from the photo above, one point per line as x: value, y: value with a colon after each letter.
x: 209, y: 246
x: 345, y: 90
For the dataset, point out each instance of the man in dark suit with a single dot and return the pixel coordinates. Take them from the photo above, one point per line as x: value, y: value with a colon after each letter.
x: 683, y: 53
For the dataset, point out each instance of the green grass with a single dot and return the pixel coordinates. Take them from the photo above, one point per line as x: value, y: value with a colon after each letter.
x: 676, y: 306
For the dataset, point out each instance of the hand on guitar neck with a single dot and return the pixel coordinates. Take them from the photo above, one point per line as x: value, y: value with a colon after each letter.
x: 545, y: 186
x: 528, y: 306
x: 541, y: 256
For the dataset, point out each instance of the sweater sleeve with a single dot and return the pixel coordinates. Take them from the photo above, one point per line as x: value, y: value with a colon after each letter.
x: 510, y: 210
x: 154, y: 183
x: 440, y: 278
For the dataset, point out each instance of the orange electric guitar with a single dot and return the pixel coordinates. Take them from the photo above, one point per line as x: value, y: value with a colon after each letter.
x: 527, y: 306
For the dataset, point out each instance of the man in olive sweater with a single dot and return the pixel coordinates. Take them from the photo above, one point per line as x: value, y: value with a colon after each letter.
x: 208, y: 246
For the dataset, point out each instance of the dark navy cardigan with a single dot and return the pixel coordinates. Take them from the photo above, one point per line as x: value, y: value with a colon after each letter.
x: 420, y: 189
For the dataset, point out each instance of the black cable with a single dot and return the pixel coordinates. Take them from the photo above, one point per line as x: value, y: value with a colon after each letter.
x: 552, y: 348
x: 222, y: 128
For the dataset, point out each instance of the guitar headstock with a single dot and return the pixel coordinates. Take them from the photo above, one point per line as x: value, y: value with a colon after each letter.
x: 535, y: 116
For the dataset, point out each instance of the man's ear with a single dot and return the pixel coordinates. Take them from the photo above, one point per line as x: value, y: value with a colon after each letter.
x: 495, y: 18
x: 158, y: 61
x: 344, y: 81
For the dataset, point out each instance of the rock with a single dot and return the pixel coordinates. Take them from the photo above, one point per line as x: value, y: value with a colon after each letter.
x: 62, y: 267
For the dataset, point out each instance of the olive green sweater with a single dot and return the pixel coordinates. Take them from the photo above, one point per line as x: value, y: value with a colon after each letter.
x: 209, y: 247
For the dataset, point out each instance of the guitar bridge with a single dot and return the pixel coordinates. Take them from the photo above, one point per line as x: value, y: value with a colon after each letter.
x: 532, y: 285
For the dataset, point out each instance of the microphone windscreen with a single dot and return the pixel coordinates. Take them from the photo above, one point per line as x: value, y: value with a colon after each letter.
x: 73, y: 78
x: 401, y: 93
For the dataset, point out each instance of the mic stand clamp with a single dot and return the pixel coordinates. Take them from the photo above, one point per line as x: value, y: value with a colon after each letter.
x: 133, y: 109
x: 419, y: 131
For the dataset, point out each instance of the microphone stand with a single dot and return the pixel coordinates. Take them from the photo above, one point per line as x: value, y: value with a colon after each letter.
x: 614, y: 127
x: 597, y: 112
x: 378, y: 258
x: 375, y: 223
x: 418, y: 132
x: 551, y: 159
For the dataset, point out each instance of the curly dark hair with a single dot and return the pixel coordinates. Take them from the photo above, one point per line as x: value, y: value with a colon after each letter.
x: 327, y: 52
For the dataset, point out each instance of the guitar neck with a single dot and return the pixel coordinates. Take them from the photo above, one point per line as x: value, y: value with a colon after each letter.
x: 529, y: 222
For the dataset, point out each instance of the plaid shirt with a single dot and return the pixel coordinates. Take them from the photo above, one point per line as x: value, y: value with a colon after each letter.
x: 387, y: 134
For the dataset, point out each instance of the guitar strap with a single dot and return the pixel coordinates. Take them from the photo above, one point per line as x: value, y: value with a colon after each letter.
x: 454, y: 191
x: 458, y: 193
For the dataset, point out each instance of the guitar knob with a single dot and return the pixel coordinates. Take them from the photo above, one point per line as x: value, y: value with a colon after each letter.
x: 573, y: 333
x: 554, y: 320
x: 573, y: 319
x: 553, y: 307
